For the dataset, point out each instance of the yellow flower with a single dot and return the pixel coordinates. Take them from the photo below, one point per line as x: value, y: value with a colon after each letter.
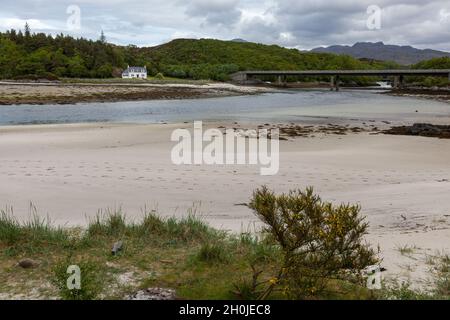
x: 273, y: 281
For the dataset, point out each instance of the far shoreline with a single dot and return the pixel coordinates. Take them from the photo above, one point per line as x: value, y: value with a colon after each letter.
x: 41, y: 93
x: 73, y: 91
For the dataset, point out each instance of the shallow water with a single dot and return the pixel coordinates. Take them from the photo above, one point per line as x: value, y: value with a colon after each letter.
x: 311, y: 106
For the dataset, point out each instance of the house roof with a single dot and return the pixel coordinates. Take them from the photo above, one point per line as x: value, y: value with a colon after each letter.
x: 135, y: 69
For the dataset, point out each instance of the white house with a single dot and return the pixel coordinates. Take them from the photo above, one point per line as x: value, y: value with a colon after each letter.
x: 135, y: 72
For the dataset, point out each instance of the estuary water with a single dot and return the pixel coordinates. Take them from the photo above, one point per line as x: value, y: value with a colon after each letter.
x: 306, y: 106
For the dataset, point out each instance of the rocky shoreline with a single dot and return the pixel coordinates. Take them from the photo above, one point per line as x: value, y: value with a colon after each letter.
x: 39, y: 94
x: 421, y: 129
x: 437, y: 94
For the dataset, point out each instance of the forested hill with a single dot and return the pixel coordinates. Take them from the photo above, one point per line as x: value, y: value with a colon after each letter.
x: 207, y: 58
x: 25, y: 54
x: 436, y: 63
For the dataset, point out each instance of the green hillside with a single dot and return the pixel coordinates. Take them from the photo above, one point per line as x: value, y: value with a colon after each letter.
x: 27, y: 54
x: 436, y: 63
x: 215, y: 59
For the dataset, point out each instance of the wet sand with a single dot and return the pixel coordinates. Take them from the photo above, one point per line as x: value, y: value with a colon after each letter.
x: 69, y: 172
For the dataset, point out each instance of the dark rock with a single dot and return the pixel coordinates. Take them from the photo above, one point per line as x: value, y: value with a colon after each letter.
x: 117, y: 247
x: 27, y: 263
x: 421, y: 129
x: 153, y: 294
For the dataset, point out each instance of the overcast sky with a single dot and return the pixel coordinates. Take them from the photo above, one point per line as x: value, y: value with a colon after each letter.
x: 303, y: 24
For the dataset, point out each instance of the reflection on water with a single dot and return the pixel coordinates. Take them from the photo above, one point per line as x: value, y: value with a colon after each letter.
x: 311, y: 106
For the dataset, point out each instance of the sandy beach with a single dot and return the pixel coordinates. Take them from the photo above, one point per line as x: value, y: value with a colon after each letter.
x: 69, y: 172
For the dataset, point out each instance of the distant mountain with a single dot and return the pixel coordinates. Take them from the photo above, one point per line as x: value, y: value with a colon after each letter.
x: 239, y: 40
x: 404, y: 55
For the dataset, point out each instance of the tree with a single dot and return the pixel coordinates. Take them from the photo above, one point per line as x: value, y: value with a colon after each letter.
x: 105, y: 71
x: 76, y: 67
x: 102, y: 37
x: 27, y: 30
x: 9, y: 58
x: 320, y: 242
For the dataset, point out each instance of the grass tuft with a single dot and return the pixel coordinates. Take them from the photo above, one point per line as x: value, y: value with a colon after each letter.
x: 31, y: 234
x: 107, y: 223
x: 213, y: 253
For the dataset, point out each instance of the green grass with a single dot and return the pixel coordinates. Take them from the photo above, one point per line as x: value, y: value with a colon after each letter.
x: 185, y: 254
x: 35, y: 232
x: 213, y: 253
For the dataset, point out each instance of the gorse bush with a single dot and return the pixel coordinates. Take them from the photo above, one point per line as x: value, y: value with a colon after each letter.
x: 319, y: 241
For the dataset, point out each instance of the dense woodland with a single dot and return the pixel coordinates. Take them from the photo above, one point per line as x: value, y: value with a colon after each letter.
x: 24, y: 54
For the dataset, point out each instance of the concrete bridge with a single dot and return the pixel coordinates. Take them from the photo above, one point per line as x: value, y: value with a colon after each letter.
x: 335, y: 75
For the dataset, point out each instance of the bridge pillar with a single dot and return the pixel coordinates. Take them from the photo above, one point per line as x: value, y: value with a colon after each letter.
x: 449, y: 77
x: 334, y: 83
x: 282, y: 80
x: 401, y: 81
x: 279, y: 80
x: 239, y: 77
x: 396, y: 82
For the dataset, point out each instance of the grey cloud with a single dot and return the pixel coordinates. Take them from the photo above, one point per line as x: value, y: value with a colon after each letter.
x: 215, y: 12
x: 293, y: 23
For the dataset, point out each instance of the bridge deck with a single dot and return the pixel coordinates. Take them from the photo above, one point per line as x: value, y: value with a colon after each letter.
x: 416, y: 72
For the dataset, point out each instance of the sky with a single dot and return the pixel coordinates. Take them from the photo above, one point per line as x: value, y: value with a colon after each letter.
x: 302, y: 24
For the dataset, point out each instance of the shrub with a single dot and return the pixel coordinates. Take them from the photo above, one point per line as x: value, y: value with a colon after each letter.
x: 319, y: 241
x: 91, y: 276
x: 159, y: 76
x: 246, y: 289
